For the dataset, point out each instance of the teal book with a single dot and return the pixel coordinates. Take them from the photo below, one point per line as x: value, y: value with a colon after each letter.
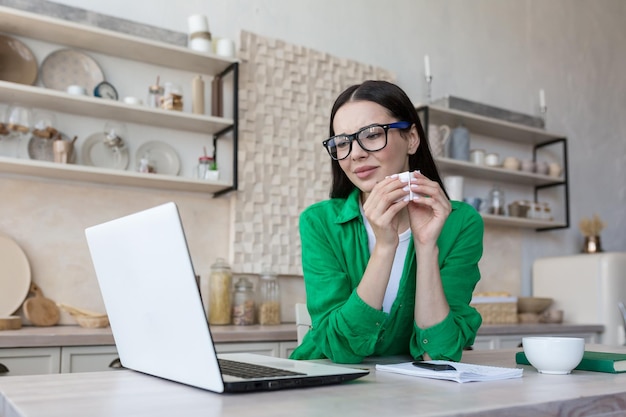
x: 592, y: 361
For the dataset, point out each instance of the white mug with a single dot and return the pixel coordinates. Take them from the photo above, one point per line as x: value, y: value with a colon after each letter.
x: 225, y: 47
x: 454, y: 187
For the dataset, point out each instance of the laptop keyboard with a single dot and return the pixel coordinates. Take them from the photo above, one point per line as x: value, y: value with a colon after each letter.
x: 251, y: 371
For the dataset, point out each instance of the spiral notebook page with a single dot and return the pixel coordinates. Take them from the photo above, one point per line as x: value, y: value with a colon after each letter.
x: 465, y: 372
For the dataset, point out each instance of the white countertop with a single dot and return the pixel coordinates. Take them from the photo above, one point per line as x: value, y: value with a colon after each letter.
x: 127, y: 393
x: 78, y: 336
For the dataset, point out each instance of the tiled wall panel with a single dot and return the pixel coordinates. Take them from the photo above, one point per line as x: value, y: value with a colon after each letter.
x: 286, y: 95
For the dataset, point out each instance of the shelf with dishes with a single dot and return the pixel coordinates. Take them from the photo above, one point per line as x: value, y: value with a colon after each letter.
x: 486, y: 126
x: 36, y: 26
x: 509, y: 221
x: 32, y: 96
x: 82, y: 173
x: 458, y: 167
x: 65, y: 70
x: 456, y: 138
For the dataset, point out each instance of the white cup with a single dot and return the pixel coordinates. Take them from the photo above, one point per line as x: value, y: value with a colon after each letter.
x: 198, y: 23
x: 454, y: 187
x: 225, y: 47
x: 134, y: 101
x: 492, y: 159
x: 76, y: 90
x: 477, y: 156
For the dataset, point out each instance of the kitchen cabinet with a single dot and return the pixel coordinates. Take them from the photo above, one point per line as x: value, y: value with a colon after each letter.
x: 88, y: 358
x: 530, y: 140
x: 276, y: 349
x: 515, y: 340
x: 52, y: 360
x: 71, y: 359
x: 132, y: 48
x: 31, y: 361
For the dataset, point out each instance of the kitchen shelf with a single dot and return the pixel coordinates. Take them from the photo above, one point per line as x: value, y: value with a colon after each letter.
x: 486, y: 126
x: 82, y: 173
x: 45, y: 98
x: 536, y: 139
x: 494, y: 220
x: 48, y: 29
x: 133, y: 48
x: 456, y: 167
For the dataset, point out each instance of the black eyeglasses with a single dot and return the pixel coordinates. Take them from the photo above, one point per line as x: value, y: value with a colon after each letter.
x: 371, y: 138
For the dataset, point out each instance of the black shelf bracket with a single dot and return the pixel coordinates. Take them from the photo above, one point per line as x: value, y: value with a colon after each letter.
x: 564, y: 183
x: 234, y: 128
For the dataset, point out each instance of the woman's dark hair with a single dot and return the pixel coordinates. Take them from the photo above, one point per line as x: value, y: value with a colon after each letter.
x: 399, y: 106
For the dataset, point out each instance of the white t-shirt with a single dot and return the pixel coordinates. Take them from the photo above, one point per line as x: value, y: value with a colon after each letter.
x: 398, y: 262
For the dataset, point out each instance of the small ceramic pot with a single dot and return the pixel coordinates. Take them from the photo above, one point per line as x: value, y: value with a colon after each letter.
x: 511, y: 163
x: 492, y: 159
x: 528, y: 165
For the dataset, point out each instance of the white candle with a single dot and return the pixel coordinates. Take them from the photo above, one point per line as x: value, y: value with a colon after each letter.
x: 542, y: 99
x: 426, y: 66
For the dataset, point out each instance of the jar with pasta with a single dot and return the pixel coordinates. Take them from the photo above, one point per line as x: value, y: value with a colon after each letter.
x: 220, y: 283
x: 269, y: 299
x: 244, y: 306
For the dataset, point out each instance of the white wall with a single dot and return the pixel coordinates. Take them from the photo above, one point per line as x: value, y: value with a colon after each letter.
x: 500, y: 52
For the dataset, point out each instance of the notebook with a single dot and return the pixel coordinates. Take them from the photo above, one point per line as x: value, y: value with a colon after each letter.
x: 151, y: 295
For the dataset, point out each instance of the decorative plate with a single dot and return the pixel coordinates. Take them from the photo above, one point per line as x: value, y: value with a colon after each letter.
x: 66, y: 67
x: 14, y: 276
x: 96, y: 152
x: 161, y: 155
x: 19, y: 65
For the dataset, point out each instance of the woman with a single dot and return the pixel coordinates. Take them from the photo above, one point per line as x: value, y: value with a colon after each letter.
x: 386, y: 274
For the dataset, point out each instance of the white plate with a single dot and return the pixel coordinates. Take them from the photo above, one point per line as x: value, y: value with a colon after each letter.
x: 66, y: 67
x: 161, y: 155
x: 14, y: 276
x: 97, y: 153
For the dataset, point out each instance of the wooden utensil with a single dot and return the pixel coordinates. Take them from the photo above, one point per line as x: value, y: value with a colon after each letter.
x: 41, y: 311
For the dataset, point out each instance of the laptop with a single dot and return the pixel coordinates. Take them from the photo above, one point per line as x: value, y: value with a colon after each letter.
x: 151, y: 295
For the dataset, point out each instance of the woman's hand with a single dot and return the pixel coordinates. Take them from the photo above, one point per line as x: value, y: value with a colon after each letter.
x: 382, y: 207
x: 428, y: 210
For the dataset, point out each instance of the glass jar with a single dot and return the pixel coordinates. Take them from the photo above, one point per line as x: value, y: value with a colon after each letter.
x: 220, y: 283
x: 269, y: 299
x: 496, y: 201
x: 206, y: 164
x: 243, y: 303
x: 155, y: 93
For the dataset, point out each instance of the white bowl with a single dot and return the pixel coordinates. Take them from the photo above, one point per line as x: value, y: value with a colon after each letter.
x: 554, y: 355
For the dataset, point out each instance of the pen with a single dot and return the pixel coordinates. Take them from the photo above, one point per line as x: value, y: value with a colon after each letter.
x: 434, y: 366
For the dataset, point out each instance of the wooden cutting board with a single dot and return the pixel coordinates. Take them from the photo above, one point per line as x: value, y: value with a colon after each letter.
x: 41, y: 311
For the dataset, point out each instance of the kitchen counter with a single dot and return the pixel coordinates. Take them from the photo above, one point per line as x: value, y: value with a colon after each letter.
x: 124, y: 392
x: 78, y: 336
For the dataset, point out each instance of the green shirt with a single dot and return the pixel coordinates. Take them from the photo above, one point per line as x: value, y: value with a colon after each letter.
x: 344, y: 328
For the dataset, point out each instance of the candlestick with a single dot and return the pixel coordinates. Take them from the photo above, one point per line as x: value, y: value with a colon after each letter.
x: 543, y: 108
x: 429, y: 78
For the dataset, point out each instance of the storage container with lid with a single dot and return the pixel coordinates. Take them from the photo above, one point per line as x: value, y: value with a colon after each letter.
x: 269, y: 299
x: 220, y: 283
x: 244, y: 306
